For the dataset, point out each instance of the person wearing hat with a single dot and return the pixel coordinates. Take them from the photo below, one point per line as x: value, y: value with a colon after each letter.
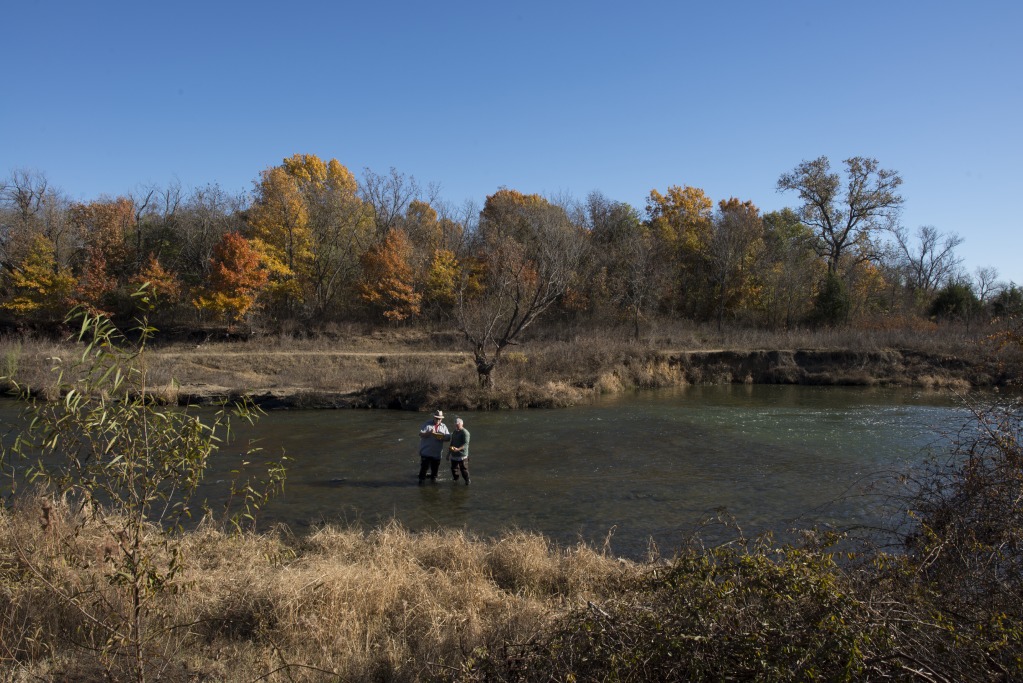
x: 459, y: 451
x: 432, y: 436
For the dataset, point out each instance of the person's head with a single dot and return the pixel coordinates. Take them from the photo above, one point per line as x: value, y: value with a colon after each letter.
x: 458, y: 423
x: 438, y: 416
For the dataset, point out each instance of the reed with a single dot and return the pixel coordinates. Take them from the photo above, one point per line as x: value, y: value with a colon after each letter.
x: 360, y: 605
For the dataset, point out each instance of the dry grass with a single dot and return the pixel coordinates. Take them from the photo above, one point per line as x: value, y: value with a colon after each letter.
x: 553, y: 367
x: 386, y: 604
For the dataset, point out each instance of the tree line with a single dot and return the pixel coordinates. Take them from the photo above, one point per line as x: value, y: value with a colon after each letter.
x: 313, y: 245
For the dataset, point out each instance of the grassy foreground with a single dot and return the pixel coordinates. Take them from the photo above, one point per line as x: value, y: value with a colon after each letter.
x: 339, y: 604
x: 390, y: 605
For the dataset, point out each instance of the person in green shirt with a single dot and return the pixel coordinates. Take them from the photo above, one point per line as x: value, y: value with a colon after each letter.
x: 458, y: 451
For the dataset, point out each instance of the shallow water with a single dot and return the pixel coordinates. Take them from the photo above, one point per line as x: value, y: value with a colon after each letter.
x: 644, y: 467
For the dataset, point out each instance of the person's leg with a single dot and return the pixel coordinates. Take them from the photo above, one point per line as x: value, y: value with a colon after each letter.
x: 464, y: 466
x: 454, y: 470
x: 424, y: 463
x: 434, y: 466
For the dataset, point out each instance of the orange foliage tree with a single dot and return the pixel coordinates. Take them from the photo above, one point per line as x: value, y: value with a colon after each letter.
x: 94, y: 283
x: 235, y: 280
x: 164, y: 286
x: 388, y: 277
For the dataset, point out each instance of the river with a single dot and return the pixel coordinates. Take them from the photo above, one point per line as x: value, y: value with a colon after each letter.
x: 632, y: 469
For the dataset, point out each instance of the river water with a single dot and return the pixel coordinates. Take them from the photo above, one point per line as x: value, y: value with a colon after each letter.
x: 637, y: 468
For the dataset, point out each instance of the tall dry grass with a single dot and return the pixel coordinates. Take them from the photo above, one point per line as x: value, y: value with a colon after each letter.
x: 341, y: 604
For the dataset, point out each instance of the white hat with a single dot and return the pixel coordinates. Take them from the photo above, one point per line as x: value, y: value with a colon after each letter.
x: 439, y: 415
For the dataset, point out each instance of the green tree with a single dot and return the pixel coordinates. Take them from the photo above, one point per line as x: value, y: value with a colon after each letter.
x: 791, y: 269
x: 625, y: 262
x: 955, y: 301
x: 832, y: 305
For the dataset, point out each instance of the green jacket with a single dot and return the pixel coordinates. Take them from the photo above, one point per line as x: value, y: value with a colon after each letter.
x: 459, y: 439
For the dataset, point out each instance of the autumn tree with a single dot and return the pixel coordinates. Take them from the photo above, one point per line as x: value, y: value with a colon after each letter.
x: 732, y: 255
x: 312, y: 228
x: 163, y: 287
x: 108, y: 225
x: 845, y: 218
x: 388, y: 282
x: 29, y: 206
x: 681, y: 221
x: 236, y: 279
x: 95, y: 285
x: 36, y: 287
x: 518, y: 263
x: 279, y: 221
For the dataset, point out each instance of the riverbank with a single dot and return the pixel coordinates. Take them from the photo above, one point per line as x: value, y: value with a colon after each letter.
x: 410, y: 389
x: 418, y: 371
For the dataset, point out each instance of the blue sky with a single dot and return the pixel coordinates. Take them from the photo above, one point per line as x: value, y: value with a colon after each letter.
x: 547, y: 97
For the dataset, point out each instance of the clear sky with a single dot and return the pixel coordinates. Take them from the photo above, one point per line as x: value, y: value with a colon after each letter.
x: 547, y: 97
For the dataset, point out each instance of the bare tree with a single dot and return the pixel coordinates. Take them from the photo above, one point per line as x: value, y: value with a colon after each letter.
x: 25, y: 191
x: 986, y: 282
x: 390, y: 196
x: 931, y: 262
x: 207, y: 215
x: 30, y: 205
x: 845, y: 218
x: 518, y: 263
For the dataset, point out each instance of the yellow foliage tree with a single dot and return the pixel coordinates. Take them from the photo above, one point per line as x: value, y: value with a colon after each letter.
x: 682, y: 223
x: 311, y: 228
x: 442, y: 278
x: 36, y: 287
x: 682, y: 218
